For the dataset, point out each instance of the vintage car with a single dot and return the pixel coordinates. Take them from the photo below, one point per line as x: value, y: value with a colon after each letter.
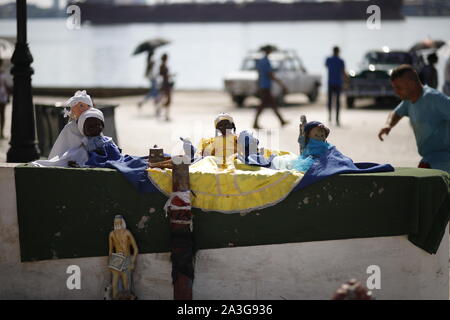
x: 287, y: 66
x: 373, y: 79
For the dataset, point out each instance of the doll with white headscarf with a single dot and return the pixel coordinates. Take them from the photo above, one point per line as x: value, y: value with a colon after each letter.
x: 68, y: 147
x: 70, y: 136
x: 81, y: 139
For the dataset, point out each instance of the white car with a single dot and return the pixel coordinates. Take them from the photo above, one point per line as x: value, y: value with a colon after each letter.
x: 287, y: 67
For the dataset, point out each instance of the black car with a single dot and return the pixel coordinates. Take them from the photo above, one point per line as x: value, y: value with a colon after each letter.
x: 373, y: 79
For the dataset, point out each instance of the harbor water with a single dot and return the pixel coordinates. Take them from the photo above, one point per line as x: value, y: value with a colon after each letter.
x: 201, y: 54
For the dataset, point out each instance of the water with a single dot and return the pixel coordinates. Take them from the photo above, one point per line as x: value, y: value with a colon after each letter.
x: 201, y: 53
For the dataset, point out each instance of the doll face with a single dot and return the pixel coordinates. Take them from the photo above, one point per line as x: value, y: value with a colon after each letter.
x: 93, y: 127
x: 225, y: 127
x: 78, y: 109
x: 319, y: 133
x: 118, y: 224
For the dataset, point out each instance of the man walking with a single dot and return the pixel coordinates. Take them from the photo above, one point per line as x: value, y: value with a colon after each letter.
x: 336, y: 74
x: 429, y: 114
x: 446, y: 87
x: 265, y: 78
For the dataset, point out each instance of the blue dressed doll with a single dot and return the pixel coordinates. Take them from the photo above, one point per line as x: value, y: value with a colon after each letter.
x: 100, y: 148
x: 313, y: 145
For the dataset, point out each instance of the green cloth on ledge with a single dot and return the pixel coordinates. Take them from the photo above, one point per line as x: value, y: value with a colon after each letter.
x: 68, y: 213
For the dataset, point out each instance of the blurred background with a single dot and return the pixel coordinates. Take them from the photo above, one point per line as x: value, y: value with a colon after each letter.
x: 207, y: 42
x: 202, y: 53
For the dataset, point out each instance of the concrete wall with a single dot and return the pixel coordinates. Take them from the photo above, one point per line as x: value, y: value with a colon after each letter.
x: 309, y: 270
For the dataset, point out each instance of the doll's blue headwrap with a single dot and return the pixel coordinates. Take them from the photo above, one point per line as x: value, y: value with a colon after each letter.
x: 311, y: 125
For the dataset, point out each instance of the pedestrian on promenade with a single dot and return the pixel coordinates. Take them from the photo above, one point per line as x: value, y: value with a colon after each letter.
x: 166, y: 85
x: 265, y: 78
x: 4, y: 98
x: 152, y: 77
x: 429, y: 75
x: 429, y: 114
x: 446, y: 88
x: 336, y: 76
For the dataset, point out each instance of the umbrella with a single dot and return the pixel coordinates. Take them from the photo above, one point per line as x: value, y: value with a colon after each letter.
x: 150, y: 45
x: 427, y: 44
x: 268, y: 47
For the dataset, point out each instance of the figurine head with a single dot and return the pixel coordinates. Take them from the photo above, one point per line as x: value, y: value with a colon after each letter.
x: 316, y: 130
x: 156, y: 154
x: 119, y: 223
x: 79, y: 103
x: 78, y: 109
x: 93, y: 127
x: 224, y: 124
x: 91, y: 122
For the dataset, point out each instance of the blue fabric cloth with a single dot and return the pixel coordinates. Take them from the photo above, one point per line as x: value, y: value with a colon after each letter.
x: 264, y: 68
x: 107, y: 150
x: 97, y: 142
x: 313, y: 150
x: 333, y: 162
x: 134, y: 170
x: 131, y: 167
x: 335, y: 66
x: 430, y: 120
x: 257, y: 160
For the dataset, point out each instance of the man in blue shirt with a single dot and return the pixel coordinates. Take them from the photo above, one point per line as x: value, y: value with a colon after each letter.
x: 429, y: 114
x: 336, y: 73
x: 265, y: 78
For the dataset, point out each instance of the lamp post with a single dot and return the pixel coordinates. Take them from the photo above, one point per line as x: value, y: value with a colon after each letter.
x: 24, y: 147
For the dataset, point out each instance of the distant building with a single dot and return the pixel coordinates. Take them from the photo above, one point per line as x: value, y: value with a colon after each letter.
x: 55, y: 5
x: 129, y: 2
x: 8, y: 11
x: 426, y: 7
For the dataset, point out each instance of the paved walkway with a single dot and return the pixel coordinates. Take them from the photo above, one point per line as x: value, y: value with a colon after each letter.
x: 193, y: 113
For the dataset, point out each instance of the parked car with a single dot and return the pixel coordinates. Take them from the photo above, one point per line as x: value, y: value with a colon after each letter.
x: 287, y: 66
x: 373, y: 78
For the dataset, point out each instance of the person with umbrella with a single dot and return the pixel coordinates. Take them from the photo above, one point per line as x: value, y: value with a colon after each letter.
x: 265, y: 78
x: 149, y: 47
x: 153, y: 92
x: 166, y: 85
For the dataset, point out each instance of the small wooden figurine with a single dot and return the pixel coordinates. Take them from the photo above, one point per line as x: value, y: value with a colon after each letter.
x: 301, y: 137
x: 121, y: 261
x: 156, y: 158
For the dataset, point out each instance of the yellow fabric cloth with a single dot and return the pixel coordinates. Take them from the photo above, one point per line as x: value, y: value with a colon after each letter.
x: 218, y: 146
x: 236, y: 188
